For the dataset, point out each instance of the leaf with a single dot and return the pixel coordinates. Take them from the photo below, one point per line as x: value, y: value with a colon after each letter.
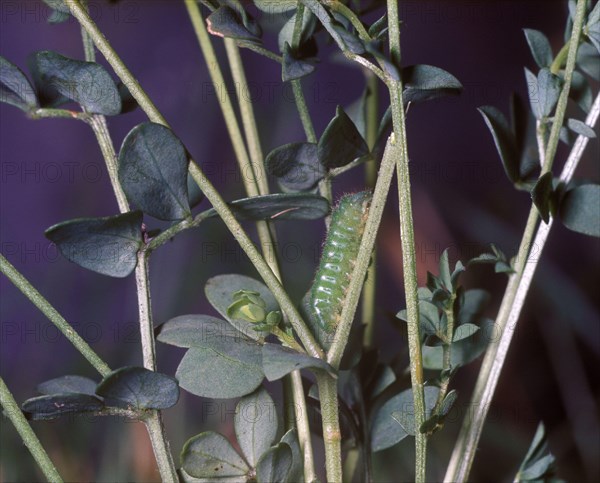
x: 194, y: 330
x: 286, y: 34
x: 278, y: 206
x: 468, y: 343
x: 540, y: 47
x: 219, y: 291
x: 105, y: 245
x: 341, y: 143
x: 472, y: 306
x: 58, y: 5
x: 592, y: 29
x: 581, y: 127
x: 293, y: 68
x: 296, y: 472
x: 278, y: 361
x: 328, y: 23
x: 222, y: 367
x: 541, y: 194
x: 274, y: 466
x: 538, y: 463
x: 588, y: 60
x: 391, y: 421
x: 57, y: 405
x: 210, y: 455
x: 87, y: 83
x: 58, y: 17
x: 255, y: 424
x: 504, y: 140
x: 429, y: 318
x: 153, y: 169
x: 384, y: 380
x: 581, y: 92
x: 15, y: 88
x: 580, y: 209
x: 138, y: 388
x: 543, y: 92
x: 225, y: 22
x: 280, y: 6
x: 296, y: 166
x: 68, y: 384
x: 424, y: 82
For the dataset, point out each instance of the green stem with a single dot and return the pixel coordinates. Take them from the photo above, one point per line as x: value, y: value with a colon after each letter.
x: 50, y: 312
x: 446, y: 355
x: 408, y: 245
x: 44, y: 112
x: 303, y: 427
x: 307, y: 124
x: 339, y: 7
x: 14, y: 413
x: 332, y: 435
x: 518, y: 283
x: 560, y: 59
x: 161, y: 448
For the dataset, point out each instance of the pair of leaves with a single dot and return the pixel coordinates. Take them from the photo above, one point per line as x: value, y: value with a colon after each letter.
x: 129, y: 388
x: 538, y: 464
x: 227, y: 359
x: 543, y: 92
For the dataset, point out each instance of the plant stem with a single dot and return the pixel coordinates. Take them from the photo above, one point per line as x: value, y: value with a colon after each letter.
x: 50, y: 312
x: 518, y: 283
x: 446, y: 354
x: 342, y: 9
x: 161, y: 448
x: 14, y: 413
x: 45, y: 112
x: 332, y: 435
x: 303, y: 427
x: 560, y: 58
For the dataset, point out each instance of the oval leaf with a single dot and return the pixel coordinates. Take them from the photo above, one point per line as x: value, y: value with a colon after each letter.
x: 68, y: 384
x: 279, y: 361
x: 424, y: 82
x: 341, y: 143
x: 15, y: 88
x: 296, y: 472
x: 504, y: 139
x: 541, y: 193
x: 210, y: 455
x: 274, y: 466
x: 225, y: 22
x: 580, y: 209
x: 296, y: 166
x: 540, y: 47
x: 138, y: 388
x: 87, y: 83
x: 104, y: 245
x: 293, y: 68
x: 194, y: 330
x: 255, y: 424
x: 57, y: 405
x: 153, y: 167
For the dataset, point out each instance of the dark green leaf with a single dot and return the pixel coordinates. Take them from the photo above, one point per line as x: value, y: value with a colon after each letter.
x: 255, y: 424
x: 341, y: 143
x: 68, y: 384
x: 405, y: 415
x: 219, y: 291
x: 323, y: 15
x: 581, y: 92
x: 279, y: 206
x: 588, y: 60
x: 293, y: 68
x: 15, y: 88
x: 296, y: 472
x: 580, y: 209
x: 351, y: 41
x: 379, y: 28
x: 540, y: 47
x: 541, y: 194
x: 424, y: 82
x: 210, y: 455
x: 58, y: 17
x: 538, y: 464
x: 105, y: 245
x: 472, y: 306
x: 280, y: 6
x: 296, y: 166
x: 543, y: 92
x: 138, y: 388
x: 429, y: 318
x: 194, y: 330
x: 87, y: 83
x: 592, y: 28
x: 153, y: 169
x: 286, y: 34
x: 581, y: 127
x: 274, y: 466
x: 384, y: 380
x: 57, y: 405
x: 504, y: 139
x: 225, y: 22
x: 448, y: 402
x: 279, y: 361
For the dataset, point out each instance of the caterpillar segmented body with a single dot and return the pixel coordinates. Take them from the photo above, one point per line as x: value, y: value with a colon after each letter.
x: 340, y: 250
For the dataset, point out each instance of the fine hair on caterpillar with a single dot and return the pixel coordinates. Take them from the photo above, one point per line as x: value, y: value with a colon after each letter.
x: 340, y: 251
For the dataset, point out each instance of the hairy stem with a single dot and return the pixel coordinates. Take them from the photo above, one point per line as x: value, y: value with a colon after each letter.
x: 332, y: 435
x: 50, y: 312
x: 29, y: 438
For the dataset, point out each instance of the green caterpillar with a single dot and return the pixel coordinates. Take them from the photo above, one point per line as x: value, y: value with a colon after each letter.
x: 328, y: 291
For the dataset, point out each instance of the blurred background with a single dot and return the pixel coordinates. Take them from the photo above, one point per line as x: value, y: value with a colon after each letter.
x: 52, y: 171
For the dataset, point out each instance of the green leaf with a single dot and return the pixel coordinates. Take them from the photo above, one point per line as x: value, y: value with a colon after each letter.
x: 278, y: 361
x: 255, y: 424
x: 296, y: 166
x: 424, y: 82
x: 581, y: 127
x: 581, y: 92
x: 219, y: 291
x: 286, y: 34
x: 384, y: 380
x: 540, y: 47
x: 58, y: 17
x: 153, y: 169
x: 293, y: 68
x: 87, y: 83
x: 538, y: 464
x: 194, y: 330
x: 328, y: 23
x: 543, y: 92
x: 473, y: 304
x: 468, y: 344
x: 225, y: 22
x: 504, y: 139
x: 68, y: 384
x: 341, y: 143
x: 105, y: 245
x: 222, y: 367
x: 58, y: 5
x: 210, y: 455
x: 280, y: 6
x: 138, y: 388
x: 15, y: 88
x: 429, y: 318
x: 296, y: 472
x: 580, y: 209
x: 588, y: 60
x: 592, y: 29
x: 541, y: 195
x: 278, y: 206
x: 57, y: 405
x: 448, y: 402
x: 394, y: 420
x: 274, y: 466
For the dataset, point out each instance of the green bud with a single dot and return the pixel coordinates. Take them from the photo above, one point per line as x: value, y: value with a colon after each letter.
x: 273, y: 318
